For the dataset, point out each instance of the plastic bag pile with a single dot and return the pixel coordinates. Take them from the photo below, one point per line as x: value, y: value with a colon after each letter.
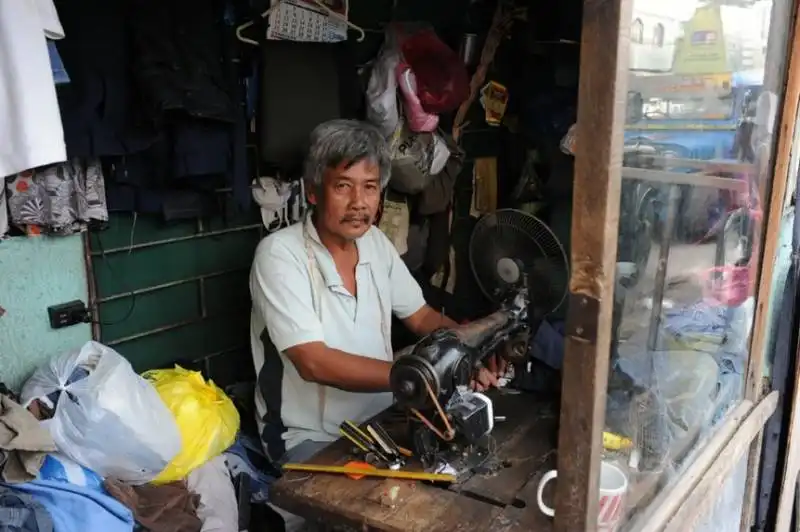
x: 120, y: 425
x: 106, y: 417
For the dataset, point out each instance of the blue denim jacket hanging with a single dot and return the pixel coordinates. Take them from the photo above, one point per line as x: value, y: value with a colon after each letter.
x: 60, y: 75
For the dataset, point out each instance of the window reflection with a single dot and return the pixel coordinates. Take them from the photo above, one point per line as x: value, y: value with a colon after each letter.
x: 658, y: 35
x: 637, y: 31
x: 691, y: 220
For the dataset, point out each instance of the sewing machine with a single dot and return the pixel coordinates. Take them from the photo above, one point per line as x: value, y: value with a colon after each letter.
x: 449, y: 423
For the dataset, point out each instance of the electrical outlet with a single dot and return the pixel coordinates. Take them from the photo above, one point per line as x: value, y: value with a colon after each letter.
x: 67, y: 314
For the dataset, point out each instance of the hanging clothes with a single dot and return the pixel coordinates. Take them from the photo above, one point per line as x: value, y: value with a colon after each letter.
x: 155, y: 93
x: 59, y: 199
x: 60, y: 75
x: 30, y: 131
x: 99, y: 109
x: 178, y: 47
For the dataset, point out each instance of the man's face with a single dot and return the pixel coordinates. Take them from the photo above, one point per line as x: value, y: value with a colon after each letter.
x: 348, y: 199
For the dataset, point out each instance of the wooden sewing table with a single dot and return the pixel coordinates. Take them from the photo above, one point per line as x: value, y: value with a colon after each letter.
x: 501, y: 501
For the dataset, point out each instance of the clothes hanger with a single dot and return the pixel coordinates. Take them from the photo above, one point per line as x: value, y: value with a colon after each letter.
x: 319, y: 3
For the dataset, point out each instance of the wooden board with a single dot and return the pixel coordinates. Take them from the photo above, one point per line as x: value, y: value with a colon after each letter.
x: 657, y: 513
x: 525, y: 446
x: 706, y: 491
x: 595, y: 220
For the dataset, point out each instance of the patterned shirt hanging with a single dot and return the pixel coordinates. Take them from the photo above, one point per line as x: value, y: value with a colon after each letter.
x: 59, y: 199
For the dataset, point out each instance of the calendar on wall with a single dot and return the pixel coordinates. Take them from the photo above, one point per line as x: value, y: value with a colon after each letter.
x: 303, y: 20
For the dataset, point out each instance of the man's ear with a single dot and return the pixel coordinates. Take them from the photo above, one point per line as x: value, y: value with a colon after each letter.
x: 311, y: 195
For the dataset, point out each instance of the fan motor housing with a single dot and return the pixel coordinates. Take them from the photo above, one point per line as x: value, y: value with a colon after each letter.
x: 441, y: 360
x: 509, y: 246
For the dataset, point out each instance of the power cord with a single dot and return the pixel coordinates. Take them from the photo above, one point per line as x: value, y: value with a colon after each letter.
x: 87, y: 317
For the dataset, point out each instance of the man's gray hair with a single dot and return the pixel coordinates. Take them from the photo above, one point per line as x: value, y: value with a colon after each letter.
x: 346, y: 141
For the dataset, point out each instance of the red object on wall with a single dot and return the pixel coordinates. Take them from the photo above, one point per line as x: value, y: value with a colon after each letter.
x: 442, y: 79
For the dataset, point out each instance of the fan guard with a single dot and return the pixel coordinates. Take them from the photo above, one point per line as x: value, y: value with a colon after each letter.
x: 510, y: 242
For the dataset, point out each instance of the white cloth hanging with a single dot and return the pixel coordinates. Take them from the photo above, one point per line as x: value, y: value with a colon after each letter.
x: 272, y: 196
x: 31, y: 134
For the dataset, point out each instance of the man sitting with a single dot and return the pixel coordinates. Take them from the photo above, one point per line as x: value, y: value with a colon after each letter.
x: 324, y: 292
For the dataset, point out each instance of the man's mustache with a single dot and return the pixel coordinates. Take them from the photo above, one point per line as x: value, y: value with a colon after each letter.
x: 365, y: 218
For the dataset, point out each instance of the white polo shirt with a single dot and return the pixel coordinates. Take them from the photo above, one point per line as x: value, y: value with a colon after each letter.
x: 299, y: 297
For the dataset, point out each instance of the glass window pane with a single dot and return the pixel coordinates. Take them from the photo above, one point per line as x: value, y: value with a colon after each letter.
x: 696, y: 177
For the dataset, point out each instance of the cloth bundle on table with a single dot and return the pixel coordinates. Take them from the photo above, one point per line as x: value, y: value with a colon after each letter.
x: 23, y: 442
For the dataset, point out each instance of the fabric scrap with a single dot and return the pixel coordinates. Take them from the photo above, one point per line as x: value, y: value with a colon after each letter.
x: 19, y: 512
x: 60, y: 75
x: 163, y: 508
x: 78, y: 509
x: 24, y: 441
x: 218, y: 509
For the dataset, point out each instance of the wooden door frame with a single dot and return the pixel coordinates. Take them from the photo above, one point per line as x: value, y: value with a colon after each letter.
x: 605, y: 42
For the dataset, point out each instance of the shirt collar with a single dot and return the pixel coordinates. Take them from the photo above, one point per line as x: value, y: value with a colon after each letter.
x: 327, y: 267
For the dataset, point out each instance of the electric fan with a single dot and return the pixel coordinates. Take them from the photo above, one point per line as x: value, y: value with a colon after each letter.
x: 509, y: 247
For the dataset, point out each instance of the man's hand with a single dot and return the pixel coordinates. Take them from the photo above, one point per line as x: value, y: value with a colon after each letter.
x: 497, y: 365
x: 484, y: 380
x: 488, y: 376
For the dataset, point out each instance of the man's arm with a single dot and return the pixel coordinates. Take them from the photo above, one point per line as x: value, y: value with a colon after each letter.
x: 281, y: 292
x: 426, y: 320
x: 409, y: 305
x: 316, y: 362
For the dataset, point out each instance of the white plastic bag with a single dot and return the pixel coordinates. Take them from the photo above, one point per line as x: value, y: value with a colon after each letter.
x: 107, y: 418
x: 382, y: 91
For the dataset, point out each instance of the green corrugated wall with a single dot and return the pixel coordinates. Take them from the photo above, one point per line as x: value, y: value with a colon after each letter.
x: 178, y: 291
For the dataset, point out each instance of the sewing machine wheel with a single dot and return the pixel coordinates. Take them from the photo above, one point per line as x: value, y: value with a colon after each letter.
x: 439, y: 362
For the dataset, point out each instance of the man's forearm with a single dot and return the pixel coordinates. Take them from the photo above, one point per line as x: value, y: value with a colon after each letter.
x: 332, y: 367
x: 426, y: 320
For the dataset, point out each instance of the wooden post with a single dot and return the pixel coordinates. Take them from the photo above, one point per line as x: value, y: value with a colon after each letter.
x: 598, y: 163
x: 754, y: 387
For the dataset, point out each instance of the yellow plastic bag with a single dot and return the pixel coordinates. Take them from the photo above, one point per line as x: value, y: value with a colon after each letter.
x: 207, y: 419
